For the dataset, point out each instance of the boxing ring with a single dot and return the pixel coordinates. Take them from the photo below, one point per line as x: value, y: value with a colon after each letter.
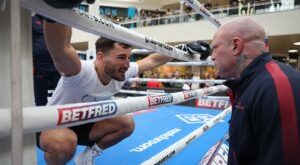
x: 26, y: 117
x: 171, y: 119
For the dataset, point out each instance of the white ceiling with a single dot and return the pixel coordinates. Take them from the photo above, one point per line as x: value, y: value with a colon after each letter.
x: 279, y: 45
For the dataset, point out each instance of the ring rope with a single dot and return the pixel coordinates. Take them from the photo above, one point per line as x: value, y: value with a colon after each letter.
x: 201, y: 63
x: 196, y: 5
x: 207, y: 62
x: 176, y: 80
x: 141, y: 51
x: 40, y: 118
x: 150, y: 92
x: 85, y: 21
x: 172, y: 150
x: 140, y: 92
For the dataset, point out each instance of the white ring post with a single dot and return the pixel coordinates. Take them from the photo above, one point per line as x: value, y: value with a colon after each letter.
x: 16, y: 86
x: 9, y: 40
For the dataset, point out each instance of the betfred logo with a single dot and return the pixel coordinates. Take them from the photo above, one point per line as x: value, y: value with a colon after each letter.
x: 160, y: 99
x: 213, y: 102
x: 82, y: 113
x: 190, y: 94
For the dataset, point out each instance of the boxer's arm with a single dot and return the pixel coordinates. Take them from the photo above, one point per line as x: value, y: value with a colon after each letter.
x: 152, y: 61
x: 58, y: 40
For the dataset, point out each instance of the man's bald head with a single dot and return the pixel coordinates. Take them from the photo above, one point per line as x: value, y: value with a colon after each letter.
x: 245, y: 28
x: 236, y: 44
x: 249, y: 31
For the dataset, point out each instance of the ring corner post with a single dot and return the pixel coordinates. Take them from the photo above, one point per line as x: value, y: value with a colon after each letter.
x: 16, y: 40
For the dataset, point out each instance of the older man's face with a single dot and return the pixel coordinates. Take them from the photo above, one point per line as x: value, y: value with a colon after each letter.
x: 222, y: 54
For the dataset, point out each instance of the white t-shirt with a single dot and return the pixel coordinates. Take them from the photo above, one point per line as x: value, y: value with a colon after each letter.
x: 86, y: 87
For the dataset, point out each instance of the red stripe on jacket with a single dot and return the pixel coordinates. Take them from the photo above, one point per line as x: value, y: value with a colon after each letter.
x: 288, y: 115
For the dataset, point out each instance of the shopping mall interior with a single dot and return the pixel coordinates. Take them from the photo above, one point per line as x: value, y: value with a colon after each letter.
x: 174, y: 22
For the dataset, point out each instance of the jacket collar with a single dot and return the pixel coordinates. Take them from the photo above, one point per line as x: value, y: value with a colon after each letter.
x: 249, y: 72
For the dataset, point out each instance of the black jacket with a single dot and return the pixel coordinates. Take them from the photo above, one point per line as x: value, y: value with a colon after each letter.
x: 265, y: 122
x: 41, y: 57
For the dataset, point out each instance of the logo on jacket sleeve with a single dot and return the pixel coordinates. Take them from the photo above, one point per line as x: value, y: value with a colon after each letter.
x: 82, y: 113
x: 239, y: 106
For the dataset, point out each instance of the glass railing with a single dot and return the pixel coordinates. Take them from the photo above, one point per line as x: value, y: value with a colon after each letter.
x: 221, y: 12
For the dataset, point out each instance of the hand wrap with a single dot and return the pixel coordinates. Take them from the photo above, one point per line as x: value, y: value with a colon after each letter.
x: 196, y: 47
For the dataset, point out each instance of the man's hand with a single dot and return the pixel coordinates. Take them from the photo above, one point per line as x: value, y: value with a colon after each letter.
x: 196, y: 47
x: 66, y: 4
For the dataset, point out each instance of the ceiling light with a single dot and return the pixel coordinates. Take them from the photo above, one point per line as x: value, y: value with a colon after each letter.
x: 292, y: 51
x: 297, y: 43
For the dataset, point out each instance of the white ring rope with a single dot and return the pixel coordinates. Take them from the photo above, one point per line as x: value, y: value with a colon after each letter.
x: 150, y: 92
x: 176, y: 80
x: 140, y: 92
x: 141, y: 51
x: 99, y: 26
x: 41, y: 118
x: 201, y: 63
x: 196, y: 5
x: 207, y: 62
x: 172, y: 150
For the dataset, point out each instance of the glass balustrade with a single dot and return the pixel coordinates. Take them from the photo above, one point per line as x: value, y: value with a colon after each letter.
x: 220, y: 12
